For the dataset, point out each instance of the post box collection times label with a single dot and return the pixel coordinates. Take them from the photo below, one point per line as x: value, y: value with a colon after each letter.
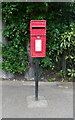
x: 38, y: 45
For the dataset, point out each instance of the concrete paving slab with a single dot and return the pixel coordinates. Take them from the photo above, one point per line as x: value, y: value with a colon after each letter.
x: 32, y: 103
x: 0, y: 99
x: 14, y: 100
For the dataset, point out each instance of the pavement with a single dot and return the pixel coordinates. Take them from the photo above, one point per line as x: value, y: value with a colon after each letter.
x: 58, y: 96
x: 0, y: 99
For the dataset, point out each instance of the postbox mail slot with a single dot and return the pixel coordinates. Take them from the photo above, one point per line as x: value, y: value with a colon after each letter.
x: 38, y: 27
x: 38, y: 31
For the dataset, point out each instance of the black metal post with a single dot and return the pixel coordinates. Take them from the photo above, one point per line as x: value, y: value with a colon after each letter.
x: 36, y: 78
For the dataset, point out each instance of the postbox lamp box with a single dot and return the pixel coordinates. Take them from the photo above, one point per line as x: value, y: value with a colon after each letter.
x: 37, y: 38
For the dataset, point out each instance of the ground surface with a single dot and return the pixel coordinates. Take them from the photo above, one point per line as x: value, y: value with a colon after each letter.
x: 0, y: 99
x: 59, y: 97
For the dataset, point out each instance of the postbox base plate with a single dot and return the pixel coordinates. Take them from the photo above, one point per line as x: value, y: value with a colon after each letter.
x: 32, y: 103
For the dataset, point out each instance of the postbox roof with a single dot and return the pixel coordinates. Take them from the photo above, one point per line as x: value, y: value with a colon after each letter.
x: 38, y: 23
x: 38, y: 20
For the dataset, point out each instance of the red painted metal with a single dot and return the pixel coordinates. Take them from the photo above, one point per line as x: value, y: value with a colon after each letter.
x: 37, y: 38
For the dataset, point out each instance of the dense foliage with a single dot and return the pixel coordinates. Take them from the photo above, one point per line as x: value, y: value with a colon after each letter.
x: 60, y: 35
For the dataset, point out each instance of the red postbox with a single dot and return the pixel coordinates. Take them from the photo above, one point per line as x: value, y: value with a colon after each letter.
x: 37, y: 38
